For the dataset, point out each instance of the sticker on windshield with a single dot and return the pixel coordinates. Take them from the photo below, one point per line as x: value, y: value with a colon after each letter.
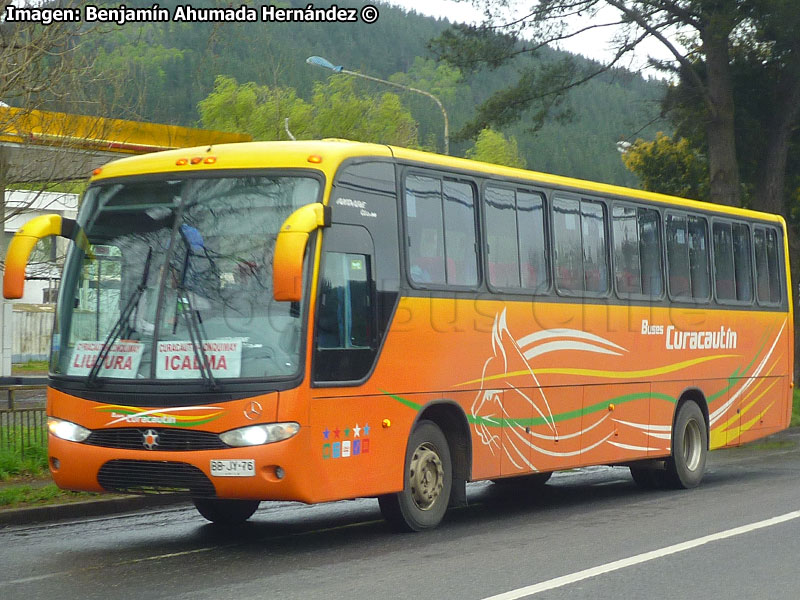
x: 178, y: 359
x: 121, y: 362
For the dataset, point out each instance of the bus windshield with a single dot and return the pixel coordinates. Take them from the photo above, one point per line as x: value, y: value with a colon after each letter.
x: 176, y: 281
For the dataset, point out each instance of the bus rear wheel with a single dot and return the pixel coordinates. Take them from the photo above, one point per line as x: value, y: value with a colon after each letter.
x: 226, y: 512
x: 686, y: 466
x: 427, y: 483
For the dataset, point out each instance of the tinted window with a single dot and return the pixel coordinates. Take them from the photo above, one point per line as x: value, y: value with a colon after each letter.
x: 637, y: 251
x: 723, y: 262
x: 768, y: 278
x: 459, y: 224
x: 440, y: 222
x: 530, y: 217
x: 733, y: 276
x: 567, y: 245
x: 501, y: 237
x: 425, y: 228
x: 687, y: 256
x: 515, y: 238
x: 743, y: 262
x: 580, y: 244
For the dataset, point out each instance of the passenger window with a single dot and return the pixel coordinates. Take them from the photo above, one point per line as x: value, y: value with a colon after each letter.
x: 637, y: 251
x: 501, y: 236
x: 743, y: 262
x: 440, y: 223
x: 580, y: 246
x: 687, y: 257
x: 425, y: 230
x: 530, y: 217
x: 733, y: 277
x: 723, y: 262
x: 768, y: 278
x: 459, y: 224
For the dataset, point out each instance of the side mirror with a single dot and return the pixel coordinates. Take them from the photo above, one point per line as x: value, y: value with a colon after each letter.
x: 290, y: 248
x: 21, y: 246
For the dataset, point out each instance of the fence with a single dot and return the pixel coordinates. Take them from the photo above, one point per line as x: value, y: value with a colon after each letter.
x: 22, y: 428
x: 32, y: 327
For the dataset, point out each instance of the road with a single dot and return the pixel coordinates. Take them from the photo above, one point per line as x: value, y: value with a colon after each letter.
x: 501, y: 544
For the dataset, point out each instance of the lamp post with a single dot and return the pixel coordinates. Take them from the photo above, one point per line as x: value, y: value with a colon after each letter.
x: 326, y: 64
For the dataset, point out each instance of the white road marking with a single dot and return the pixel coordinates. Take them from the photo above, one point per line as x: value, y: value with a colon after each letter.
x: 640, y: 558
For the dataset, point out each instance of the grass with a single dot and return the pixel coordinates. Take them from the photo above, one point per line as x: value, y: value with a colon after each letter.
x: 33, y: 366
x: 33, y: 464
x: 795, y: 409
x: 32, y: 495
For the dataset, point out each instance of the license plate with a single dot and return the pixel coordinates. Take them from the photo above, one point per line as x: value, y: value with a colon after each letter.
x: 233, y: 468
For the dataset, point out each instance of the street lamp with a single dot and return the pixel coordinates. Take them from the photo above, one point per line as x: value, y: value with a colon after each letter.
x: 326, y: 64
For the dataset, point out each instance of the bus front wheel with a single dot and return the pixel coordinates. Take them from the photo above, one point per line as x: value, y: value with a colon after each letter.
x: 427, y: 482
x: 687, y: 464
x: 226, y: 512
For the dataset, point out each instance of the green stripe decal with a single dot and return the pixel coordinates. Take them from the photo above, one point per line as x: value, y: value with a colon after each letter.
x: 558, y: 418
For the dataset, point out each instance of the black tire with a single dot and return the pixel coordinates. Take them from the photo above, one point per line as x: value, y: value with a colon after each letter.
x: 530, y: 481
x: 428, y: 481
x: 686, y: 466
x: 226, y: 512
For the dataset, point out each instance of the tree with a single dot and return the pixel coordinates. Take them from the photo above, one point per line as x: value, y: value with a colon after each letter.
x: 340, y: 111
x: 336, y: 110
x: 668, y: 166
x: 493, y: 147
x: 709, y: 31
x: 259, y: 110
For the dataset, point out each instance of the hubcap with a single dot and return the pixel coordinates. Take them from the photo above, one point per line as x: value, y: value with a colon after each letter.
x: 692, y: 445
x: 426, y: 476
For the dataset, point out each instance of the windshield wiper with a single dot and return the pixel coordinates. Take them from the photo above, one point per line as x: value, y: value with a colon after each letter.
x: 194, y: 321
x: 122, y: 322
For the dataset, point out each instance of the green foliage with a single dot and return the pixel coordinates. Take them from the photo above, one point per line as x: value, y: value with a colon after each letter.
x: 16, y: 495
x: 32, y: 366
x: 341, y: 112
x: 255, y: 109
x: 493, y: 147
x: 795, y: 408
x: 669, y: 167
x: 180, y: 64
x: 337, y: 110
x: 12, y: 464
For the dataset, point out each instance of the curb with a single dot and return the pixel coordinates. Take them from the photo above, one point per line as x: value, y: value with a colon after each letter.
x: 87, y: 508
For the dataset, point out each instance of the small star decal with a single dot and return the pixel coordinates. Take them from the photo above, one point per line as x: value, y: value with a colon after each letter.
x: 336, y: 433
x: 366, y: 429
x: 326, y: 433
x: 346, y: 432
x: 356, y: 431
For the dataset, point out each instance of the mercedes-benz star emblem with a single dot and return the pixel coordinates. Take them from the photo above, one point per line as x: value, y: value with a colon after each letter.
x: 150, y: 439
x: 253, y: 411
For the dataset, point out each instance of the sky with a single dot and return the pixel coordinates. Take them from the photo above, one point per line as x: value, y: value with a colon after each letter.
x: 594, y: 44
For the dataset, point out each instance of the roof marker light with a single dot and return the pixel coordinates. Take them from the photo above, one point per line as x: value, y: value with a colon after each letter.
x: 196, y: 160
x: 97, y: 171
x: 210, y: 160
x: 181, y: 161
x: 315, y: 158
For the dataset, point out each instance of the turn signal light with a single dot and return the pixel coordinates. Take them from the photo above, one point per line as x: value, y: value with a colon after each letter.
x: 315, y: 158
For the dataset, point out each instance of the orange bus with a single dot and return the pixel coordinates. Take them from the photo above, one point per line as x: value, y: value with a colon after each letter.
x: 324, y: 320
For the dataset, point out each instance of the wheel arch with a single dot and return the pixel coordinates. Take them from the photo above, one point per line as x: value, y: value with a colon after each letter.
x: 451, y: 419
x: 693, y: 394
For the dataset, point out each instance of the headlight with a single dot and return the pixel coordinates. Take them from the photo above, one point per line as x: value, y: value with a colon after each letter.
x: 65, y: 430
x: 256, y: 435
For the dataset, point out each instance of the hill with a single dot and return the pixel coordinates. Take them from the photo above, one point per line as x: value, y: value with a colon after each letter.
x: 162, y: 70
